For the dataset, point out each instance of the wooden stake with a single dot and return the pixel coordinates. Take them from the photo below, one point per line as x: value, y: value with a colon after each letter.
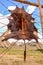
x: 24, y: 51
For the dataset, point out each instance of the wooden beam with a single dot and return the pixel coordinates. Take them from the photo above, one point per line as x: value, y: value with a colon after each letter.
x: 29, y: 3
x: 41, y: 15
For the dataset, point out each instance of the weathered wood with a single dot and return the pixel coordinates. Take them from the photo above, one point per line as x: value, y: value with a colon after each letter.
x: 24, y: 51
x: 41, y: 15
x: 29, y: 3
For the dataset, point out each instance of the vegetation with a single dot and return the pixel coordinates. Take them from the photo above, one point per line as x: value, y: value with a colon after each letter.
x: 15, y: 57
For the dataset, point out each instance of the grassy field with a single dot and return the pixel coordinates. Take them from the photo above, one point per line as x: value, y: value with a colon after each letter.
x: 14, y: 56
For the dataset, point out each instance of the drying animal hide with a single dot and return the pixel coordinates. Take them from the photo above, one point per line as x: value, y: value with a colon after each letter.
x: 21, y: 25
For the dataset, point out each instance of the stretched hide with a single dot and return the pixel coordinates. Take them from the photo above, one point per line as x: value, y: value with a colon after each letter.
x: 21, y: 25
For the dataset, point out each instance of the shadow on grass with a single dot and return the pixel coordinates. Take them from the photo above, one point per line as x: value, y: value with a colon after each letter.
x: 41, y: 50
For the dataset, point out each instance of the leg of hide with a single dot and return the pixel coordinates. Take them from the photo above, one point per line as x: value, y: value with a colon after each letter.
x: 36, y: 38
x: 6, y: 37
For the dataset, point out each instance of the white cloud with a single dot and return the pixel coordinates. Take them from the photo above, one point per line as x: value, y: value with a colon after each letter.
x: 4, y: 21
x: 40, y: 35
x: 11, y: 40
x: 11, y: 7
x: 3, y: 24
x: 40, y: 40
x: 1, y: 14
x: 18, y: 42
x: 33, y: 40
x: 30, y: 9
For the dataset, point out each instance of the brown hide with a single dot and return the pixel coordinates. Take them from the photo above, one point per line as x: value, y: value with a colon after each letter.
x: 21, y: 26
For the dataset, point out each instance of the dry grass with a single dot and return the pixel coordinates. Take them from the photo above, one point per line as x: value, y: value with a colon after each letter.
x: 14, y: 56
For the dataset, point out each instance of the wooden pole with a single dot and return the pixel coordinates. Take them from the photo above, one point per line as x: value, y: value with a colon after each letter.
x: 41, y: 18
x: 24, y: 51
x: 23, y: 31
x: 29, y: 3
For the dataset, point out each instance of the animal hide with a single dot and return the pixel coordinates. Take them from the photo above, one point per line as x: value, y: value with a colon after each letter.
x: 21, y: 25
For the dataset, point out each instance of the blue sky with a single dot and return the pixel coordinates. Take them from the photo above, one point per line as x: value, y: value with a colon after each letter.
x: 5, y: 3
